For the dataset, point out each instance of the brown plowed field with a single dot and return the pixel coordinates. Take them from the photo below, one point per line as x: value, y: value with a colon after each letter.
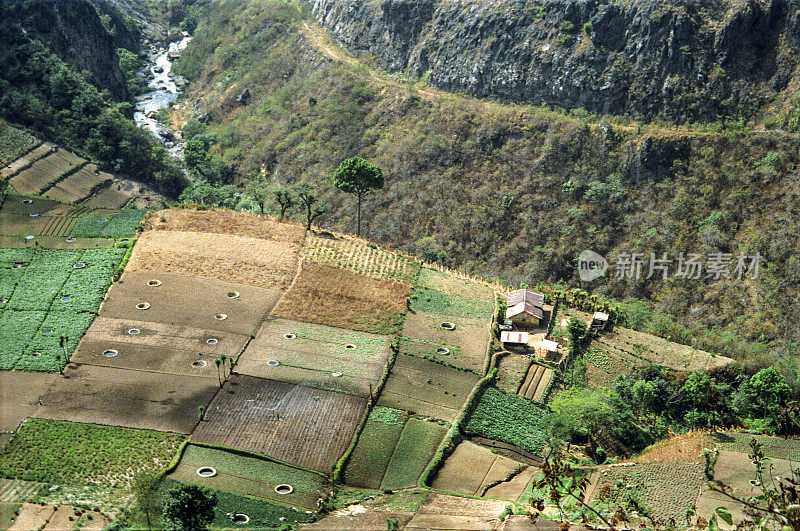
x: 314, y: 354
x: 236, y: 259
x: 25, y: 160
x: 19, y: 396
x: 186, y: 301
x: 108, y: 198
x: 78, y: 185
x: 121, y: 397
x: 223, y: 221
x: 299, y: 425
x: 42, y: 174
x: 427, y: 388
x: 341, y: 299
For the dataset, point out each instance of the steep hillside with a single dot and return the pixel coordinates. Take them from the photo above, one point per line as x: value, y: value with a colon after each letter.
x: 675, y: 59
x: 511, y: 191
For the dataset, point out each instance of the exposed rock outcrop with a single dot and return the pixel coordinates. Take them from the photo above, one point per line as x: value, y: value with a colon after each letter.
x: 678, y: 59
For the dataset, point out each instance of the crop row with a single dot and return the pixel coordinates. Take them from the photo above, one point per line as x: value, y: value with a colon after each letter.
x: 427, y: 300
x: 107, y: 224
x: 509, y: 418
x: 360, y: 258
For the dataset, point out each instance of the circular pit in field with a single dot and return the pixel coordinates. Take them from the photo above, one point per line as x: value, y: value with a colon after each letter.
x: 103, y: 220
x: 153, y: 283
x: 47, y: 331
x: 212, y: 341
x: 447, y: 325
x: 284, y: 488
x: 444, y: 351
x: 350, y: 346
x: 27, y: 201
x: 65, y: 298
x: 240, y: 518
x: 71, y: 239
x: 233, y: 294
x: 273, y: 363
x: 35, y: 354
x: 16, y: 266
x: 30, y: 237
x: 199, y: 364
x: 336, y: 374
x: 79, y: 265
x: 206, y: 471
x: 143, y: 306
x: 34, y: 214
x: 289, y: 336
x: 110, y: 353
x: 134, y: 331
x: 221, y: 316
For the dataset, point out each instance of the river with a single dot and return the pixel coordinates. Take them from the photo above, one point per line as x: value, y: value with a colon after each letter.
x: 164, y: 91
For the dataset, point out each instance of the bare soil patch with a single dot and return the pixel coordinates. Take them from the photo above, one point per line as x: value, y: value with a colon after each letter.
x: 225, y: 257
x: 79, y: 185
x: 223, y: 221
x: 25, y: 160
x: 427, y: 388
x: 317, y: 356
x: 262, y: 416
x: 455, y: 286
x: 477, y: 471
x: 341, y: 299
x: 121, y: 397
x: 186, y: 301
x: 44, y: 172
x: 20, y: 393
x: 111, y: 197
x: 443, y: 511
x: 471, y: 336
x: 64, y: 517
x: 683, y: 448
x: 32, y: 516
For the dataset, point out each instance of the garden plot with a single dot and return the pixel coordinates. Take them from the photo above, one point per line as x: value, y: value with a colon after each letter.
x: 223, y: 221
x: 341, y: 299
x: 74, y: 453
x: 773, y: 447
x: 54, y: 242
x: 650, y: 348
x: 443, y: 511
x: 25, y: 160
x: 509, y: 418
x: 416, y: 447
x: 317, y: 356
x: 79, y: 185
x: 466, y: 340
x: 665, y: 489
x: 250, y: 476
x: 108, y: 223
x: 120, y: 397
x: 24, y: 216
x: 156, y: 347
x: 255, y: 261
x: 19, y: 395
x: 511, y: 372
x: 370, y: 458
x: 43, y: 173
x: 260, y: 416
x: 180, y: 300
x: 360, y: 257
x: 430, y: 301
x: 110, y: 197
x: 427, y: 388
x: 473, y: 470
x: 454, y: 286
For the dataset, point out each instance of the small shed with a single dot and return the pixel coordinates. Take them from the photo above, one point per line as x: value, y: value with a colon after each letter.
x: 514, y: 338
x: 525, y: 314
x: 599, y: 321
x: 549, y: 350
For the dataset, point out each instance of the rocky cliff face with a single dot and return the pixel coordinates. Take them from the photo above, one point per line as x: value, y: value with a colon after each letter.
x: 678, y: 59
x: 72, y: 29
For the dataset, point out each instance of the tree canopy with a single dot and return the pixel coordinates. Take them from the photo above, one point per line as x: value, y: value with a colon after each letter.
x: 189, y: 507
x: 357, y: 176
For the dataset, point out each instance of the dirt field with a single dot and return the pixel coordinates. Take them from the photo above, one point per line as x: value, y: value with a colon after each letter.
x: 111, y: 197
x: 249, y: 476
x: 684, y: 448
x: 455, y: 286
x: 44, y: 172
x: 471, y: 336
x: 20, y: 393
x: 225, y: 257
x: 157, y: 348
x: 357, y: 256
x: 315, y: 354
x: 185, y: 301
x: 511, y: 372
x: 35, y: 154
x: 120, y: 397
x: 341, y: 299
x: 426, y: 388
x: 79, y: 185
x: 260, y: 416
x: 473, y: 470
x: 221, y: 221
x: 443, y: 511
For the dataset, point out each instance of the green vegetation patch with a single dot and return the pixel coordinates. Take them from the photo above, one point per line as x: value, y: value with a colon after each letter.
x: 42, y: 279
x: 263, y: 515
x: 13, y: 143
x: 508, y: 418
x: 455, y: 286
x: 46, y: 350
x: 426, y: 300
x: 443, y: 354
x: 417, y: 445
x: 56, y: 451
x: 108, y: 224
x: 370, y: 458
x: 16, y: 331
x: 87, y: 286
x: 773, y: 447
x: 339, y: 336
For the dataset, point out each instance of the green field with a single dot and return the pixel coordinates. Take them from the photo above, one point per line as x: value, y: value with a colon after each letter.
x: 442, y: 353
x: 53, y: 451
x: 48, y: 298
x: 263, y: 515
x: 427, y: 300
x: 505, y: 417
x: 414, y: 450
x: 369, y: 460
x: 13, y: 143
x: 108, y: 224
x: 246, y: 475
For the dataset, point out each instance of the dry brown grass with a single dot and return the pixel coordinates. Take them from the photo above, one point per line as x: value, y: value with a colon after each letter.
x: 335, y: 297
x: 221, y: 221
x: 684, y: 448
x: 226, y: 257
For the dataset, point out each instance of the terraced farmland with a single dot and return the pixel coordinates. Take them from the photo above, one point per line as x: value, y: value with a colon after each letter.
x: 14, y: 143
x: 359, y: 257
